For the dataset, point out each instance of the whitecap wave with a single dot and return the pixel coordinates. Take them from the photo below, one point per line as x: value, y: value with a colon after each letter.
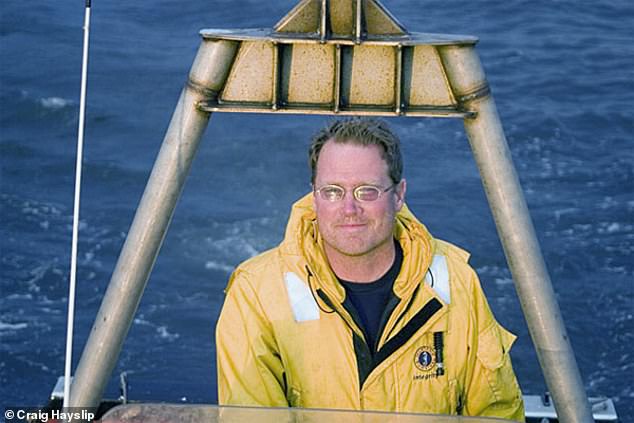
x: 503, y: 281
x: 12, y: 326
x: 54, y: 103
x: 214, y: 265
x: 20, y: 297
x: 165, y: 334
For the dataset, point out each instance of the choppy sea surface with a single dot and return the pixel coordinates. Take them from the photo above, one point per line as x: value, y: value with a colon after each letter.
x: 562, y: 73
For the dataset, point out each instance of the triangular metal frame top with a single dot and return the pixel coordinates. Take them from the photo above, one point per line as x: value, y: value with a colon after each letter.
x: 338, y: 57
x: 340, y: 19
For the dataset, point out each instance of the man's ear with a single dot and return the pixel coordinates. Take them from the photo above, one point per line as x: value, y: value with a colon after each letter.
x: 399, y: 190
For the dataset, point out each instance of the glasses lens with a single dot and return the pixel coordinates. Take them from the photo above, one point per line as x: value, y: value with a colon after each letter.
x: 366, y: 193
x: 331, y: 193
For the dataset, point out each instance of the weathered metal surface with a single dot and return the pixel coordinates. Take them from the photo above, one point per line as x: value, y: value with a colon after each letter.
x: 379, y: 21
x: 371, y: 66
x: 410, y: 39
x: 342, y: 19
x: 428, y: 83
x: 310, y: 73
x: 346, y: 19
x: 305, y: 17
x: 252, y: 75
x: 335, y: 78
x: 338, y: 57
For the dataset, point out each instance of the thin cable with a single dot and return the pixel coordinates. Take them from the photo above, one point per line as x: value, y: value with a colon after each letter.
x: 73, y: 256
x: 310, y: 286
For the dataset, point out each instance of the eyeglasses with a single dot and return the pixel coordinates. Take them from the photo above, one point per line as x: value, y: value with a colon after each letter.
x: 361, y: 193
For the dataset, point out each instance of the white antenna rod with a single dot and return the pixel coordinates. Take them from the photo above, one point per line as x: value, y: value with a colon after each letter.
x: 73, y: 257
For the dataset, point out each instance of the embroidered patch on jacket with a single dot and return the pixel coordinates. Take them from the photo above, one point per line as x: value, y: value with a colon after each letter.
x: 425, y: 361
x: 302, y: 301
x: 425, y: 358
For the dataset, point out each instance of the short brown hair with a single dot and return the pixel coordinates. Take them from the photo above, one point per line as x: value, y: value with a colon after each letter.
x: 362, y: 131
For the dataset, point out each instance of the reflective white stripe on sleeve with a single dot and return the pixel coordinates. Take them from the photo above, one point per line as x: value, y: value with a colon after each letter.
x: 438, y: 278
x: 302, y: 301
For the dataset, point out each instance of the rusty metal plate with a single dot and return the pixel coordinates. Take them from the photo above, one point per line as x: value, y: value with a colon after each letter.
x: 252, y: 74
x: 311, y: 78
x: 429, y: 85
x: 372, y: 77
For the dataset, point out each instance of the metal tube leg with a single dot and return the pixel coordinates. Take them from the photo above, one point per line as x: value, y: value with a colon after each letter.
x: 207, y: 76
x: 517, y: 234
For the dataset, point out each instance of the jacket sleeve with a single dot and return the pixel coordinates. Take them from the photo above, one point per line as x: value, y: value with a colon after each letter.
x: 492, y: 389
x: 250, y: 370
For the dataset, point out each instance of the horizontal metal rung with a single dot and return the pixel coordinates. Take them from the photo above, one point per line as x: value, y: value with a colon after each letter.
x: 410, y: 39
x: 213, y: 106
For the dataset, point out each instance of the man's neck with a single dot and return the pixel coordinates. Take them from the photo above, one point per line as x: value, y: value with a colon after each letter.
x: 362, y: 269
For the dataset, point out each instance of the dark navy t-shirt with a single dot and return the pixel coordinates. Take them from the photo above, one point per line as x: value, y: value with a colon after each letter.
x: 370, y: 299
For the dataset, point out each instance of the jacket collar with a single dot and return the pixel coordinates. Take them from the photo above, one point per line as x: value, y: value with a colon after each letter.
x: 302, y: 238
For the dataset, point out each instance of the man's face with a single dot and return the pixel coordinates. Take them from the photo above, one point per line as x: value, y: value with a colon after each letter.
x: 348, y: 226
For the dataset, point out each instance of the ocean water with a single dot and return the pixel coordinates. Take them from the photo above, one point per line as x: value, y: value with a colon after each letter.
x: 562, y: 73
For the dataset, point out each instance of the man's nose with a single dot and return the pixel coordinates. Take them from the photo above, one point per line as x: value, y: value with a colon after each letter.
x: 350, y: 204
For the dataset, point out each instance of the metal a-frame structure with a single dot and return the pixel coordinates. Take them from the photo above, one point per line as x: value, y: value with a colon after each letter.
x: 337, y: 57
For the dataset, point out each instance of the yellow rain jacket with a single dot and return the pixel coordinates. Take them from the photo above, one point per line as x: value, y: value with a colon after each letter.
x: 287, y: 336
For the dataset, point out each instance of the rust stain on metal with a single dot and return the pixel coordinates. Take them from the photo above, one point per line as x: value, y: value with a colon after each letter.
x: 339, y: 57
x: 251, y: 77
x: 312, y: 75
x: 373, y: 72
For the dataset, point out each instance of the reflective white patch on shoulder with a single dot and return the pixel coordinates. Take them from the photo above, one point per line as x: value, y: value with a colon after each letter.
x: 302, y: 301
x: 438, y: 278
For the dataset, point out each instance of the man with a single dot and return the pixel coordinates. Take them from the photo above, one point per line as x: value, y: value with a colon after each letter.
x: 360, y: 307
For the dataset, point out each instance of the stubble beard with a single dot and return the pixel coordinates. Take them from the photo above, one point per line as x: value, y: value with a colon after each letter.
x: 355, y: 246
